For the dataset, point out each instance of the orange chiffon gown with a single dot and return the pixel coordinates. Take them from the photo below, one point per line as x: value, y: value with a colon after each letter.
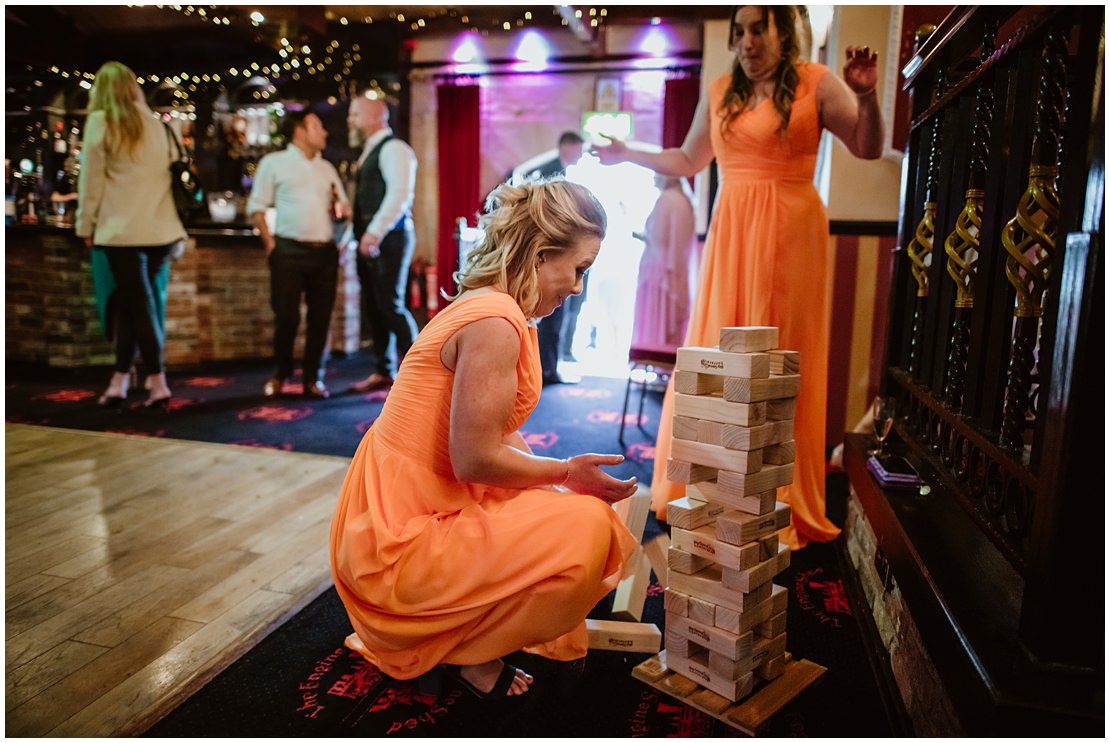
x: 765, y: 264
x: 434, y: 570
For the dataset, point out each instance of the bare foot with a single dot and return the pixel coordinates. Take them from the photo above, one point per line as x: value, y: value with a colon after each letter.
x: 483, y: 676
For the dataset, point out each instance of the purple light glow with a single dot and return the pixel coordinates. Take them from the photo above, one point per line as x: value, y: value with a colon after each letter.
x: 655, y: 43
x: 533, y: 49
x: 467, y: 50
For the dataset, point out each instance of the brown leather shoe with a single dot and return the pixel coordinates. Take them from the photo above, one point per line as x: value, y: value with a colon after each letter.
x: 317, y: 391
x: 372, y: 383
x: 273, y: 386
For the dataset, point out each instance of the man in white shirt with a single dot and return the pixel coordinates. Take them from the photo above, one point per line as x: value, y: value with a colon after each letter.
x: 386, y: 179
x: 308, y: 194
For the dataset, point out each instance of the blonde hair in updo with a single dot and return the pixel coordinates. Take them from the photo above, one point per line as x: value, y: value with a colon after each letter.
x: 518, y: 224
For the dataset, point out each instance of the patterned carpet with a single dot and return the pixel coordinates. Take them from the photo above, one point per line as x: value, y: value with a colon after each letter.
x: 301, y: 681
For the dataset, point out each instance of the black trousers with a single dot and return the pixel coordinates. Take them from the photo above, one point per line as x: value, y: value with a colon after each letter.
x: 548, y: 333
x: 135, y: 270
x: 383, y: 282
x: 310, y: 270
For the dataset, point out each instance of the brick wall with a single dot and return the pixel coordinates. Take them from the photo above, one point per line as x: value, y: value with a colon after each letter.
x: 923, y: 694
x: 217, y: 303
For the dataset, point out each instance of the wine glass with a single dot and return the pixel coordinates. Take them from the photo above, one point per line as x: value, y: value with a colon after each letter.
x: 882, y: 413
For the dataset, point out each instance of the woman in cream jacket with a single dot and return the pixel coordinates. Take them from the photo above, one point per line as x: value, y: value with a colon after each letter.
x: 126, y: 209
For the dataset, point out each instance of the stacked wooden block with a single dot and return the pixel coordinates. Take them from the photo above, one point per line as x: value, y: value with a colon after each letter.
x: 733, y: 445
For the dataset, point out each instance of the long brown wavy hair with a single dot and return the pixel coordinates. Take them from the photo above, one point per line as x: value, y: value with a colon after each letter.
x: 786, y: 85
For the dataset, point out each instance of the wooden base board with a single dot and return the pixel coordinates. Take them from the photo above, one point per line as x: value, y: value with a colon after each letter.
x: 750, y: 714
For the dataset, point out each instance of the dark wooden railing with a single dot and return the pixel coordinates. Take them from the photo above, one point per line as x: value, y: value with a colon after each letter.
x: 995, y: 348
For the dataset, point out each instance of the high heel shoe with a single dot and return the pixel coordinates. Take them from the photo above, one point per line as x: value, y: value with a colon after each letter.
x: 161, y: 405
x: 110, y: 401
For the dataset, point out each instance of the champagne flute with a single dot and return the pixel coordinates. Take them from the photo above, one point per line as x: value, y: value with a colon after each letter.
x: 882, y: 412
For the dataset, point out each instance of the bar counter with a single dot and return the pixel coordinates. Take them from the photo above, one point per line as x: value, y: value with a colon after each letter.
x: 217, y: 303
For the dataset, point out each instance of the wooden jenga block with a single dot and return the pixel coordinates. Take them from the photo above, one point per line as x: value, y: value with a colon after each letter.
x: 686, y: 473
x: 677, y: 644
x: 710, y: 432
x: 749, y: 339
x: 772, y: 668
x: 687, y: 513
x: 656, y: 551
x: 779, y: 410
x: 681, y: 561
x: 711, y: 491
x: 629, y: 637
x: 745, y: 580
x: 744, y: 438
x: 784, y: 431
x: 758, y: 595
x: 719, y: 457
x: 701, y: 611
x: 738, y: 622
x: 695, y: 383
x: 785, y: 362
x: 633, y: 510
x: 675, y: 602
x: 741, y: 528
x: 773, y: 627
x: 684, y: 428
x: 765, y: 649
x: 728, y: 667
x: 631, y: 592
x: 715, y: 361
x: 768, y: 547
x: 703, y: 542
x: 717, y: 408
x: 779, y: 601
x: 652, y: 670
x: 739, y: 389
x: 738, y: 484
x: 696, y: 668
x: 706, y: 584
x: 714, y: 638
x: 779, y: 453
x: 676, y: 684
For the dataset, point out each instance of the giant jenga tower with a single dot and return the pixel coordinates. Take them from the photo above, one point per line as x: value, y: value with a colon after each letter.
x: 733, y: 445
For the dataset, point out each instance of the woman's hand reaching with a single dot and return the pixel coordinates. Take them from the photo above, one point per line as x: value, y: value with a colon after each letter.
x: 585, y: 476
x: 861, y: 70
x: 615, y: 152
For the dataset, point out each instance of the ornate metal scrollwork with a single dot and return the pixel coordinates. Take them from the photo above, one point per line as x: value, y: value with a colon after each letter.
x: 1030, y: 241
x: 962, y: 245
x: 920, y: 247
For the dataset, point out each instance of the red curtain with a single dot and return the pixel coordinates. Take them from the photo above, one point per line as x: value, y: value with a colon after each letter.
x: 457, y: 137
x: 680, y: 98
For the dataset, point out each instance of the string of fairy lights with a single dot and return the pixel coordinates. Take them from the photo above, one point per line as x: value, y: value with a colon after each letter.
x: 297, y: 59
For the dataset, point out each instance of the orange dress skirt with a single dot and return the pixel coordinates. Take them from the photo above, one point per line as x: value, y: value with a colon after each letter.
x: 435, y: 570
x: 765, y: 263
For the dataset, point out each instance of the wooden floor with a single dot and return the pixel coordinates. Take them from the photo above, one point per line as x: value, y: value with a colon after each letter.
x: 138, y: 568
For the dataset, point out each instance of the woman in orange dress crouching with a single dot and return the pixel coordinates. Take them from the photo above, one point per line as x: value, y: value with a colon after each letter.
x: 453, y: 544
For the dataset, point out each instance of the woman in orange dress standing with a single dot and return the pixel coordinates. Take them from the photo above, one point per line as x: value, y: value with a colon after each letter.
x: 765, y: 254
x: 453, y: 544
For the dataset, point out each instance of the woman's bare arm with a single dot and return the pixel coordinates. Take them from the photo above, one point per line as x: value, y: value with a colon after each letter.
x: 691, y: 158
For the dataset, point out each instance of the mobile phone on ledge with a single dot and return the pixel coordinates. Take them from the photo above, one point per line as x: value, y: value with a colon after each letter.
x: 893, y: 471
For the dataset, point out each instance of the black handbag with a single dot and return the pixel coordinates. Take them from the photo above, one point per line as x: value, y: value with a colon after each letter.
x: 188, y: 196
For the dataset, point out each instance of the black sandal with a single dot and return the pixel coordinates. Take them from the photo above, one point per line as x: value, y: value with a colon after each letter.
x: 430, y: 683
x: 500, y: 690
